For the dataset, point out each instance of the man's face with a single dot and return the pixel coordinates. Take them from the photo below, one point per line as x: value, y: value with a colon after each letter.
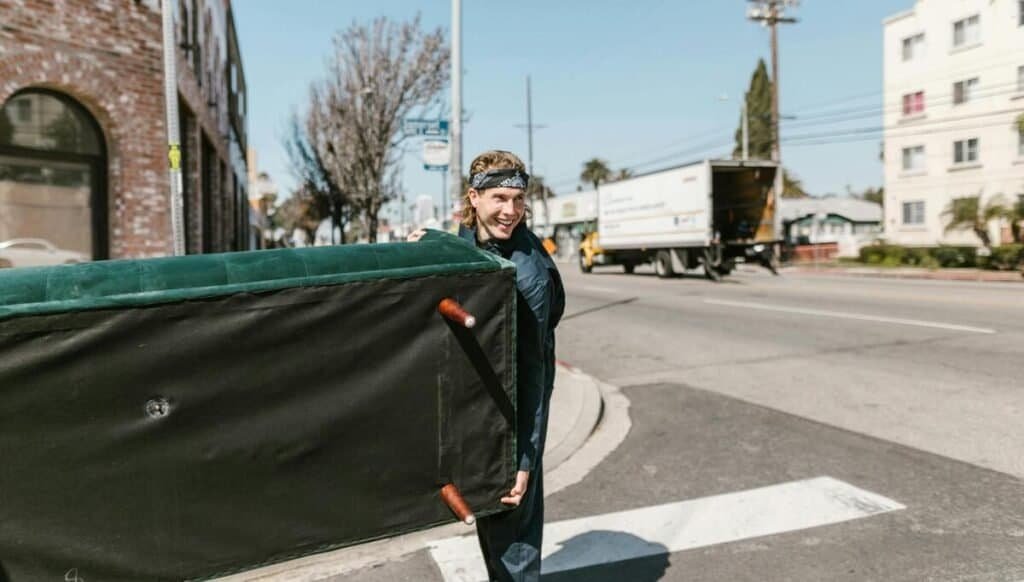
x: 498, y: 211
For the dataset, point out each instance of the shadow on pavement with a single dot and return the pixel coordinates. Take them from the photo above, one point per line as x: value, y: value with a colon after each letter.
x: 595, y: 546
x: 599, y: 308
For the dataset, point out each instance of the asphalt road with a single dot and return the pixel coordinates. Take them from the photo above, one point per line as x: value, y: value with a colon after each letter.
x: 907, y: 390
x: 937, y: 366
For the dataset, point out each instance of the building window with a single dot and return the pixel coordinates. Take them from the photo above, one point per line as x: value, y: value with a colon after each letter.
x: 1020, y: 78
x: 965, y: 151
x: 1020, y: 13
x: 53, y: 202
x: 913, y: 158
x: 913, y: 103
x: 964, y: 91
x: 913, y: 47
x: 913, y: 212
x: 1020, y: 143
x: 967, y: 31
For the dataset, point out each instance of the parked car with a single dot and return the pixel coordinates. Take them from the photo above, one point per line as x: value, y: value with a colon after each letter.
x: 31, y: 252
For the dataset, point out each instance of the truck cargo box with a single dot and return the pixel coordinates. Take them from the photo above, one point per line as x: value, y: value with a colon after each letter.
x: 689, y: 207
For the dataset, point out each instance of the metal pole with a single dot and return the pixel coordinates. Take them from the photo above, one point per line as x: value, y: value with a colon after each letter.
x: 776, y: 145
x: 746, y: 132
x: 456, y: 120
x: 445, y: 215
x: 529, y: 127
x: 173, y: 129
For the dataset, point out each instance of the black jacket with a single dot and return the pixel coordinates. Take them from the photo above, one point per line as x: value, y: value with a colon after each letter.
x: 540, y: 305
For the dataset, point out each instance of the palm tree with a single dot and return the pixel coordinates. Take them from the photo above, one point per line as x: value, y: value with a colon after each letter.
x: 969, y: 214
x: 595, y: 171
x: 623, y: 174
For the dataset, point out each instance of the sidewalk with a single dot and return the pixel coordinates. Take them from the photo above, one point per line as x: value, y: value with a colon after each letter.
x: 909, y: 273
x: 576, y: 409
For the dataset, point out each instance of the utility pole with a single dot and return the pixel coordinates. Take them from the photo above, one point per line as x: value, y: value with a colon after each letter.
x: 771, y: 13
x: 173, y: 129
x: 455, y: 164
x: 746, y: 130
x: 529, y: 147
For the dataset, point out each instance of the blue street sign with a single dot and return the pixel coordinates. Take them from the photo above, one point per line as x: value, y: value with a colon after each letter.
x: 432, y: 127
x: 430, y: 168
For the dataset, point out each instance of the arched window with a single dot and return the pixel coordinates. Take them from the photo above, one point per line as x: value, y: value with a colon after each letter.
x: 52, y: 181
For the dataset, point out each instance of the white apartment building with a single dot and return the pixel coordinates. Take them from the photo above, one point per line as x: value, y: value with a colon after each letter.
x: 954, y: 89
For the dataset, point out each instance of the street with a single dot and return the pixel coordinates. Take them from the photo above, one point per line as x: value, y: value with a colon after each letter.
x: 746, y: 395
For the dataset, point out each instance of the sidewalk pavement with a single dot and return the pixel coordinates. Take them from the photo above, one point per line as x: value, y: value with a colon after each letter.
x: 577, y: 403
x: 910, y: 273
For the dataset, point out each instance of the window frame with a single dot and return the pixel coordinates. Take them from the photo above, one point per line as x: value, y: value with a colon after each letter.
x: 912, y: 154
x: 913, y: 103
x: 964, y: 149
x: 911, y: 47
x: 97, y: 163
x: 966, y: 39
x: 912, y: 213
x: 963, y: 91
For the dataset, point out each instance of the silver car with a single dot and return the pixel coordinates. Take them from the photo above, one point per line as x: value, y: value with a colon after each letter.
x: 31, y: 252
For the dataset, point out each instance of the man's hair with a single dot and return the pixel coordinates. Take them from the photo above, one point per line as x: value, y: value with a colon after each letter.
x: 491, y: 160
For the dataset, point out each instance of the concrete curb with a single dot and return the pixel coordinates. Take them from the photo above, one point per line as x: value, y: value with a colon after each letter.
x: 969, y: 275
x: 597, y: 417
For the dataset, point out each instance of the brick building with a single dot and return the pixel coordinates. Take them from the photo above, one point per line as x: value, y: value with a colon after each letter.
x: 82, y: 127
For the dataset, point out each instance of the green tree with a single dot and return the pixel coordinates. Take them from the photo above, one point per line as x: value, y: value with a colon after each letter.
x: 759, y: 116
x: 595, y: 172
x: 870, y: 194
x: 302, y: 210
x: 623, y: 174
x: 792, y: 187
x: 969, y: 213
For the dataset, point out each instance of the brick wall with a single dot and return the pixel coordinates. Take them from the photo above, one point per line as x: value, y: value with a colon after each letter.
x: 107, y: 55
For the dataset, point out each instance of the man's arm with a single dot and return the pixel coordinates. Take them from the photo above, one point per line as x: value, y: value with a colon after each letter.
x: 531, y: 386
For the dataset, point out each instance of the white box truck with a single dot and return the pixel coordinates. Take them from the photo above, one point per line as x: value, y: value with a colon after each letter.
x: 710, y: 214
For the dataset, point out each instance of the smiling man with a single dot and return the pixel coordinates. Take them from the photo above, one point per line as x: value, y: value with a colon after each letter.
x: 494, y: 206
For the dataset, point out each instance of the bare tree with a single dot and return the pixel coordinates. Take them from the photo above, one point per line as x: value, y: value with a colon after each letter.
x: 376, y: 76
x: 307, y: 145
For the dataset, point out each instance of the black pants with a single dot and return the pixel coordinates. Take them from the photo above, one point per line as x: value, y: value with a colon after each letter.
x: 511, y: 541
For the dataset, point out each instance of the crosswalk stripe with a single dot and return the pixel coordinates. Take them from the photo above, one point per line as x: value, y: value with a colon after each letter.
x: 678, y: 526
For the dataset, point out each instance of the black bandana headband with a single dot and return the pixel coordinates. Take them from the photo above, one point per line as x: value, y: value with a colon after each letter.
x: 506, y: 178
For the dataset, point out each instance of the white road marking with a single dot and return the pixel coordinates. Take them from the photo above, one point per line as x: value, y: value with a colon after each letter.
x: 854, y: 316
x: 674, y: 527
x: 596, y: 289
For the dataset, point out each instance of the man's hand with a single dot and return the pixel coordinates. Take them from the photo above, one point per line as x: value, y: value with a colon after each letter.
x: 515, y: 496
x: 416, y: 235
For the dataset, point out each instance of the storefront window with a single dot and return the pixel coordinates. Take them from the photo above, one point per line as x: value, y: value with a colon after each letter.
x: 52, y: 170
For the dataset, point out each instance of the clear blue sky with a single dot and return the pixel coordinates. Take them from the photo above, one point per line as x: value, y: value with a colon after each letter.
x: 629, y: 82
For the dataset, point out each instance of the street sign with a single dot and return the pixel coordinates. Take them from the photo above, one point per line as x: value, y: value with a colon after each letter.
x: 427, y: 127
x: 436, y: 154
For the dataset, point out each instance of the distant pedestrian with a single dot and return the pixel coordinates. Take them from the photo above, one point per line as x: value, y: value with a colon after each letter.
x: 494, y: 206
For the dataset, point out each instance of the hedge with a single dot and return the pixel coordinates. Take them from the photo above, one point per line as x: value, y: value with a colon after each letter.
x: 1004, y: 258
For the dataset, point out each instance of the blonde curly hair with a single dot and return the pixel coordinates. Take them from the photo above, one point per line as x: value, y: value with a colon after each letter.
x: 490, y: 160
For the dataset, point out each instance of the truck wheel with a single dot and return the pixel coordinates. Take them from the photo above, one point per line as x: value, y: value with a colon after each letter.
x: 629, y: 268
x: 584, y: 267
x: 663, y: 265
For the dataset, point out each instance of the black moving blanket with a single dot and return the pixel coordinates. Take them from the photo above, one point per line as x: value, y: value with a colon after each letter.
x: 185, y: 418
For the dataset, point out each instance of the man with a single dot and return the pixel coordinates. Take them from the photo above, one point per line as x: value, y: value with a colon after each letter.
x: 494, y: 206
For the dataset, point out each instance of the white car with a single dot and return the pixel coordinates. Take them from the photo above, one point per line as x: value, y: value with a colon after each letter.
x: 31, y: 252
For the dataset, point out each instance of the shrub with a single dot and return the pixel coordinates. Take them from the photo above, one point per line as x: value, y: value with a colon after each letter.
x: 1006, y: 257
x: 952, y: 256
x: 945, y: 256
